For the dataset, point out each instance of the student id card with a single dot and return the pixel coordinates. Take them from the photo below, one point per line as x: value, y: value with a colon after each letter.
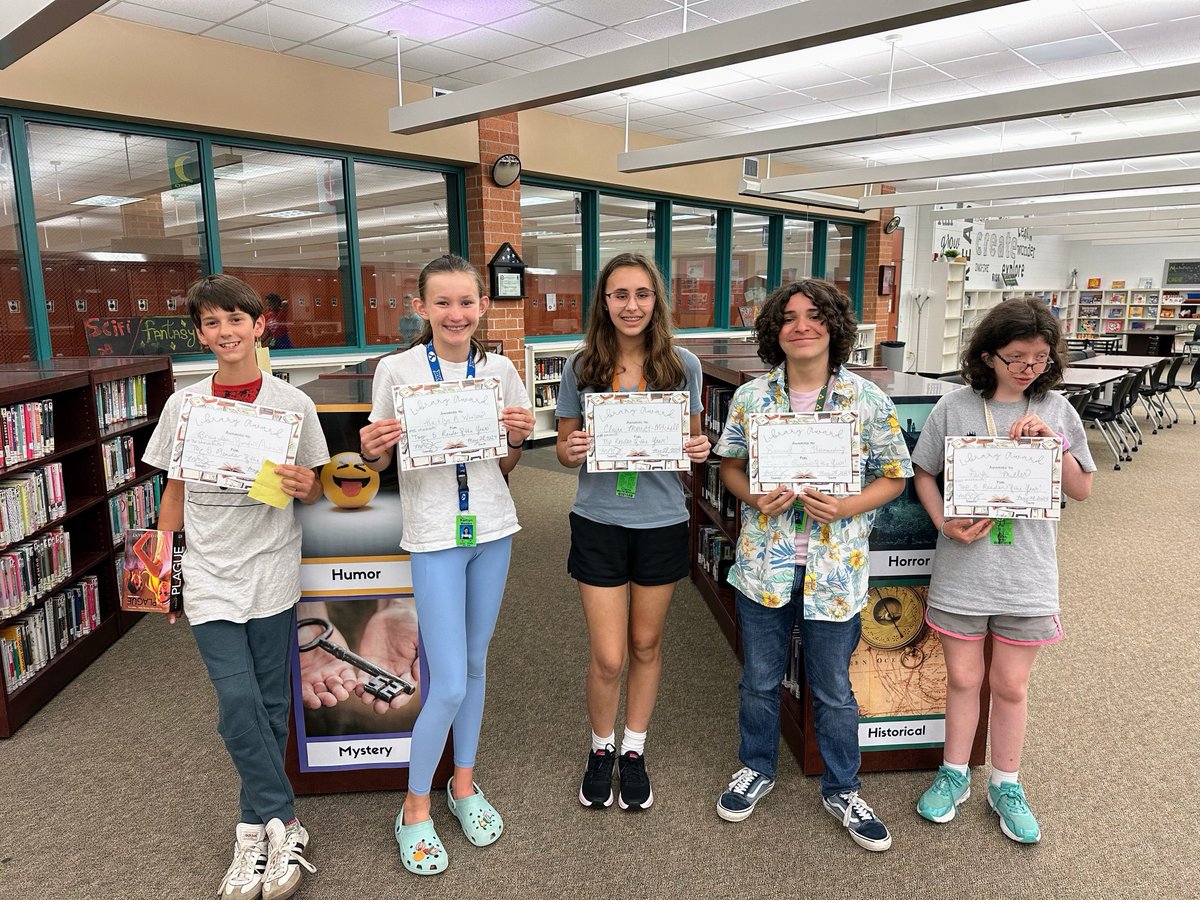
x: 464, y: 531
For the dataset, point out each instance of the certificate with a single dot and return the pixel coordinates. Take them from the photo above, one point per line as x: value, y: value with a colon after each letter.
x: 449, y: 422
x: 226, y: 442
x: 798, y: 450
x: 1003, y: 478
x: 637, y: 432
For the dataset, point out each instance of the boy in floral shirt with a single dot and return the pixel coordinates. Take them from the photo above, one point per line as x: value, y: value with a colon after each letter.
x: 802, y: 559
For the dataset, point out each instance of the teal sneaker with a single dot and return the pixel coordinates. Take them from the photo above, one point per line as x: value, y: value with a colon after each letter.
x: 948, y: 791
x: 1016, y: 818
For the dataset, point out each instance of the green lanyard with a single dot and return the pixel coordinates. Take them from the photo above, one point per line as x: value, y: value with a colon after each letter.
x: 799, y: 514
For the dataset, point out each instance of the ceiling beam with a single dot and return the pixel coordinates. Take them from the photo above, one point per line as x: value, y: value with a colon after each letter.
x: 1185, y: 239
x: 1176, y: 224
x: 1102, y: 217
x: 996, y: 211
x: 1118, y: 234
x: 1001, y: 161
x: 1048, y: 188
x: 797, y: 26
x: 806, y: 198
x: 1145, y: 86
x: 27, y: 24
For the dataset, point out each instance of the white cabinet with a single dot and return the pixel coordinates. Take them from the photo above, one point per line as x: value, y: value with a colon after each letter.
x: 941, y: 320
x: 863, y: 353
x: 544, y: 362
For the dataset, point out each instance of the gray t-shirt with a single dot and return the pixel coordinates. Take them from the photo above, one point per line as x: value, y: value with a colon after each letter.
x: 1020, y: 579
x: 658, y: 500
x: 243, y: 557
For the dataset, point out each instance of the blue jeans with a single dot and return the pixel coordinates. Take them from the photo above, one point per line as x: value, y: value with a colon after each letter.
x: 767, y: 644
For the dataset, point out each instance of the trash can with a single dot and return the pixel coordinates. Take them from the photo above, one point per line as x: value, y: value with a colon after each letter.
x: 892, y: 353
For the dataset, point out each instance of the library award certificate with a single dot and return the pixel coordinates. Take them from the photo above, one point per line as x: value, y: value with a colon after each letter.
x: 226, y: 442
x: 637, y: 432
x: 819, y: 450
x: 449, y: 422
x: 1002, y: 478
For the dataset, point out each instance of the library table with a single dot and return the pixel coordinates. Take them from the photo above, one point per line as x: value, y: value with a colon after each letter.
x: 1077, y: 377
x: 1118, y: 361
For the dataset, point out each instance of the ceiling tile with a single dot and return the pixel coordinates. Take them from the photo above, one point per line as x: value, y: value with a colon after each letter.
x: 1108, y: 64
x: 345, y: 11
x: 665, y: 25
x: 598, y: 42
x: 867, y: 64
x: 434, y: 59
x: 1159, y: 33
x: 944, y: 90
x: 911, y: 78
x: 160, y: 19
x: 211, y: 10
x: 711, y: 129
x: 615, y: 12
x: 286, y: 23
x: 725, y: 111
x: 975, y: 43
x: 744, y: 90
x: 724, y: 11
x: 332, y: 57
x: 449, y: 83
x: 1170, y: 52
x: 976, y: 66
x: 249, y: 38
x: 602, y: 118
x: 840, y: 90
x: 781, y: 102
x: 359, y: 41
x: 417, y: 24
x: 388, y: 69
x: 861, y: 103
x: 487, y: 73
x: 800, y: 78
x: 811, y: 112
x: 484, y: 43
x: 546, y: 26
x: 1009, y: 80
x: 541, y: 58
x: 671, y: 120
x: 1125, y: 15
x: 682, y: 102
x: 1030, y: 29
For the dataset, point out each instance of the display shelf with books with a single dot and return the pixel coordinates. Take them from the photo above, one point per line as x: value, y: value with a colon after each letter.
x: 59, y: 602
x: 544, y: 362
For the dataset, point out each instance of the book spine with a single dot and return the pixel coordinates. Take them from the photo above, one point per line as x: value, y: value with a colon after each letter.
x: 178, y: 548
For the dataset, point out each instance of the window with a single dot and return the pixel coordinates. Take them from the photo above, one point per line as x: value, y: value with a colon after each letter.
x: 402, y: 225
x: 839, y: 256
x: 282, y: 223
x: 552, y: 249
x: 747, y: 268
x: 16, y: 333
x: 626, y: 226
x: 693, y: 265
x: 119, y: 227
x: 797, y: 250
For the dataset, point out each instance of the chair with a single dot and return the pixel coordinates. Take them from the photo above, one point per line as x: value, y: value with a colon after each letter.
x: 1148, y: 394
x: 1190, y: 345
x: 953, y: 378
x: 1076, y: 355
x: 1185, y: 386
x: 1166, y: 384
x: 1107, y: 417
x: 1088, y: 352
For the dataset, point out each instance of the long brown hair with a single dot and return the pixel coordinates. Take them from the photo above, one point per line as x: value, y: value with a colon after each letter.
x: 831, y: 304
x: 1019, y: 319
x: 597, y: 362
x: 450, y: 264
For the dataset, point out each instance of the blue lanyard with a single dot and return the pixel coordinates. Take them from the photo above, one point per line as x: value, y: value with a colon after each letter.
x: 435, y: 367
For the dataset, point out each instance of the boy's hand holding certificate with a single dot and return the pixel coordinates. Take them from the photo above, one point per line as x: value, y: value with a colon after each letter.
x: 640, y: 431
x: 798, y: 450
x: 1002, y: 478
x: 449, y: 422
x: 226, y: 442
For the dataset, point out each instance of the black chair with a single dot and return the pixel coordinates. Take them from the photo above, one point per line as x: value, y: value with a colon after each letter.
x: 1191, y: 344
x: 952, y: 378
x: 1184, y: 387
x: 1076, y: 355
x: 1166, y: 384
x: 1148, y: 394
x: 1107, y: 416
x: 1088, y: 352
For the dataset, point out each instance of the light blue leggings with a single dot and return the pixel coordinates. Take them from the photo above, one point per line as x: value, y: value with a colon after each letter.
x: 458, y: 594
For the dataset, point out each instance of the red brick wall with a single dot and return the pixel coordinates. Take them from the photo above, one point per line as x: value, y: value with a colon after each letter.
x: 493, y: 217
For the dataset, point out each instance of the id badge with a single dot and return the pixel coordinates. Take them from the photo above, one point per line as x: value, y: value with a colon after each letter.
x: 464, y: 531
x: 627, y: 484
x: 800, y: 516
x: 1002, y: 531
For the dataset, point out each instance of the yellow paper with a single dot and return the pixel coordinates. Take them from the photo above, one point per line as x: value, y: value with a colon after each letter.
x: 268, y: 487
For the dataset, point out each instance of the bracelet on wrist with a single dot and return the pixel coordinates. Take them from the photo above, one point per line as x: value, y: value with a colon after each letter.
x: 370, y: 459
x: 513, y: 446
x: 943, y: 531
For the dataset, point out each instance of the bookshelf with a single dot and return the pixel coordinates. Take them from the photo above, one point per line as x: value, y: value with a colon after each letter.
x: 944, y: 318
x: 544, y: 363
x: 1121, y: 314
x: 69, y: 614
x: 901, y: 552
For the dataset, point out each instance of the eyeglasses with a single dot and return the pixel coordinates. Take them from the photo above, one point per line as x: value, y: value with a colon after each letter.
x: 1020, y: 367
x: 643, y: 296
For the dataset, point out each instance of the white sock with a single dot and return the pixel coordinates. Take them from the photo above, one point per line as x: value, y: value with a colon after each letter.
x: 999, y: 778
x: 961, y: 770
x: 601, y: 743
x: 634, y: 741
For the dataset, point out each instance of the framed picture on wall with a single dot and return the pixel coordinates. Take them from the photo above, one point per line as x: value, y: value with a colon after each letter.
x: 887, y: 280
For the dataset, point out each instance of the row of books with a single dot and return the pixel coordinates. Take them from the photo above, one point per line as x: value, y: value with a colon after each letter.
x: 31, y: 569
x: 30, y: 642
x: 714, y: 492
x: 136, y: 507
x: 545, y: 395
x: 27, y: 431
x: 120, y: 461
x: 716, y: 407
x: 549, y: 366
x: 121, y: 400
x: 714, y: 553
x: 29, y: 501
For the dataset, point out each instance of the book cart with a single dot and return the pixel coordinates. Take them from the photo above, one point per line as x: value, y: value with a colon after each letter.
x: 900, y: 684
x: 72, y: 615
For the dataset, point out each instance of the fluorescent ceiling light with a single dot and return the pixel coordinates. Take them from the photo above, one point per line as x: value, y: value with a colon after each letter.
x: 536, y: 271
x: 288, y: 214
x: 537, y: 200
x: 244, y: 171
x: 100, y: 256
x: 107, y: 200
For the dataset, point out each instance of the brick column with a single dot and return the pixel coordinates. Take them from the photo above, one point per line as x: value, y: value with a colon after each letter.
x: 493, y: 217
x: 882, y: 250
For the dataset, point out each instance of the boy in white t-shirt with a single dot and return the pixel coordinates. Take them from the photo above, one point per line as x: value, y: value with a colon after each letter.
x: 241, y: 576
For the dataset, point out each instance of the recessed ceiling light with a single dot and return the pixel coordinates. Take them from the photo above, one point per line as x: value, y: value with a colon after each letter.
x: 242, y: 171
x: 288, y: 214
x: 106, y: 200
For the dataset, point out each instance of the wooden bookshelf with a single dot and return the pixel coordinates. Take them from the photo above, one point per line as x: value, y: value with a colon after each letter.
x: 73, y: 384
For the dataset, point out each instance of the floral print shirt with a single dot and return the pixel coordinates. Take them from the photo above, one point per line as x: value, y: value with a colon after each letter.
x: 835, y: 580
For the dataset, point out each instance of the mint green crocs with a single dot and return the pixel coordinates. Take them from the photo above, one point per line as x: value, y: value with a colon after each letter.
x: 480, y: 822
x: 1016, y: 818
x: 421, y: 849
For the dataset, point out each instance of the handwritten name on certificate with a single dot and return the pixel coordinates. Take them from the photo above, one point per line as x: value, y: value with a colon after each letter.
x: 816, y: 449
x: 449, y: 422
x: 226, y: 442
x: 1003, y: 478
x: 637, y: 432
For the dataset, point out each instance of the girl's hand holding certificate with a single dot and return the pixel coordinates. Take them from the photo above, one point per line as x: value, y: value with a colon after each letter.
x: 518, y: 422
x: 697, y: 448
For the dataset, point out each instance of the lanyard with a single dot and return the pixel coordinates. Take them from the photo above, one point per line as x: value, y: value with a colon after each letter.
x: 991, y: 423
x: 617, y: 385
x: 1002, y: 529
x: 435, y: 367
x: 799, y: 514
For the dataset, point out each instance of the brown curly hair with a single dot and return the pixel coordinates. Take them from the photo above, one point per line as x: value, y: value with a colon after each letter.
x: 1018, y: 319
x: 833, y: 307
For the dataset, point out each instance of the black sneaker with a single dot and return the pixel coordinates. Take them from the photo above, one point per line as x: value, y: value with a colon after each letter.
x: 596, y: 789
x: 636, y: 792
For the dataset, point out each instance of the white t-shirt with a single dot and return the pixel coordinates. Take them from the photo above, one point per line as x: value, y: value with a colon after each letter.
x: 243, y: 557
x: 429, y: 497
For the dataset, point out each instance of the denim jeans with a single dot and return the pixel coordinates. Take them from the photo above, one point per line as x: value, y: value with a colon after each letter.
x: 766, y: 644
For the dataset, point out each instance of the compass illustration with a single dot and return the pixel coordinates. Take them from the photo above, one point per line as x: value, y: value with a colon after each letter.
x: 894, y: 617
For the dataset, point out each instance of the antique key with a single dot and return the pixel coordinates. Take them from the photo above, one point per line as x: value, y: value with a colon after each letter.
x: 383, y: 684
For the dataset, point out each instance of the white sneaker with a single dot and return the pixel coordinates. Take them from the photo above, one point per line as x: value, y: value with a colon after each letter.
x: 243, y: 879
x: 285, y: 860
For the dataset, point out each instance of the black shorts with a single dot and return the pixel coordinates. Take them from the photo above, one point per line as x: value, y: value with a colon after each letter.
x: 612, y: 555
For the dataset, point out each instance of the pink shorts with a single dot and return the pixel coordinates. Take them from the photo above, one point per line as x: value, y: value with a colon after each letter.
x: 1027, y: 630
